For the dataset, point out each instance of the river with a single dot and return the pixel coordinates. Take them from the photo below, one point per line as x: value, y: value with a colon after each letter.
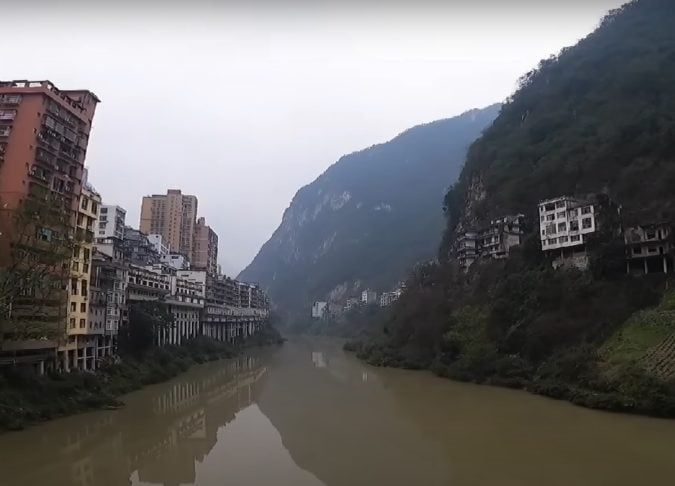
x: 308, y: 414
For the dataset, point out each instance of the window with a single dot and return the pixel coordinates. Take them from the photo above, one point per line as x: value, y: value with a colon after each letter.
x: 586, y: 209
x: 85, y: 203
x: 560, y: 204
x: 637, y: 250
x: 104, y: 210
x: 82, y: 322
x: 73, y: 307
x: 45, y: 234
x: 575, y: 238
x: 586, y: 223
x: 76, y: 267
x: 563, y: 239
x: 552, y: 241
x: 550, y: 217
x: 562, y: 226
x: 83, y: 307
x: 73, y: 286
x: 72, y: 322
x: 574, y: 225
x: 84, y: 288
x: 94, y: 207
x: 560, y: 215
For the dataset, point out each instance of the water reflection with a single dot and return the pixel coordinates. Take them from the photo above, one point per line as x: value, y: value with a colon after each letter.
x: 158, y: 438
x: 307, y: 414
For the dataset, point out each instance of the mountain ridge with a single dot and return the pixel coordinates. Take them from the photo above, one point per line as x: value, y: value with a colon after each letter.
x: 325, y: 240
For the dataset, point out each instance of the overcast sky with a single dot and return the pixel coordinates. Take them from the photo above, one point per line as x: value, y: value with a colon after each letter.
x: 241, y: 106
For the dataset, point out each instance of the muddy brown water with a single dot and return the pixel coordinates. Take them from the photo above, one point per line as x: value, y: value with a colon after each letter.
x: 308, y: 414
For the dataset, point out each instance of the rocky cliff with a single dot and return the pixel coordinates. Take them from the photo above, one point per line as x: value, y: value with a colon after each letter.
x: 368, y: 218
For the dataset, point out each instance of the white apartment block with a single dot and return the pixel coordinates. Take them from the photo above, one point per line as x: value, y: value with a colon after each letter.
x: 319, y: 309
x: 368, y: 297
x: 160, y: 247
x: 565, y: 222
x: 111, y: 222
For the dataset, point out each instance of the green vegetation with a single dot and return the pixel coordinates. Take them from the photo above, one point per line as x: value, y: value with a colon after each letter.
x: 597, y: 118
x: 27, y: 398
x: 367, y: 219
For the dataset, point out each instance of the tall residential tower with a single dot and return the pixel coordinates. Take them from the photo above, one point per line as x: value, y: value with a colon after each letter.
x: 173, y: 216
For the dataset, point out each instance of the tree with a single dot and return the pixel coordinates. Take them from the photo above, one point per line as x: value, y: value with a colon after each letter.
x: 38, y: 243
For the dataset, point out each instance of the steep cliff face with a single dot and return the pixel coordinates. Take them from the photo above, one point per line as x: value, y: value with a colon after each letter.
x: 368, y: 218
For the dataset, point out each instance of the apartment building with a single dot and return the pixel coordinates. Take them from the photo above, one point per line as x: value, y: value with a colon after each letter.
x: 108, y: 296
x: 494, y: 240
x: 138, y: 248
x: 111, y: 222
x: 565, y: 225
x: 319, y: 309
x: 205, y: 250
x: 649, y: 248
x: 368, y: 296
x: 172, y: 215
x: 79, y: 347
x: 185, y: 301
x: 44, y: 134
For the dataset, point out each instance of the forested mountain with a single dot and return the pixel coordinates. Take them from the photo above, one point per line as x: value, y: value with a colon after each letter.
x: 368, y: 218
x: 597, y: 118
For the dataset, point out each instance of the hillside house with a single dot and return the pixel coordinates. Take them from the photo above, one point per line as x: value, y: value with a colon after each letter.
x: 649, y: 248
x: 565, y: 225
x: 493, y: 241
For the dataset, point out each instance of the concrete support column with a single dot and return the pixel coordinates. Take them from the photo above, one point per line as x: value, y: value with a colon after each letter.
x: 665, y: 265
x: 646, y: 267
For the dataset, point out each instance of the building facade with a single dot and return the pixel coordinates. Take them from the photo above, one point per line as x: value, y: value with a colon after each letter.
x: 79, y: 347
x: 565, y: 225
x: 111, y: 222
x: 649, y: 248
x: 172, y: 215
x: 368, y: 296
x: 319, y: 309
x: 494, y: 240
x: 205, y: 250
x: 44, y: 134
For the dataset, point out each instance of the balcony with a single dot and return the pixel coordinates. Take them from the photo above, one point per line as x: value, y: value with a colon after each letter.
x: 5, y: 131
x: 7, y: 115
x: 10, y: 100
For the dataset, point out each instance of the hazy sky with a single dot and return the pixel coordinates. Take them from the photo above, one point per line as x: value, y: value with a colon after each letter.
x: 242, y: 106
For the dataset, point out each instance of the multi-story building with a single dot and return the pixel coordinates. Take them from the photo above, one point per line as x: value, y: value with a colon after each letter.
x: 388, y: 298
x: 351, y: 303
x: 108, y: 293
x: 649, y: 248
x: 78, y: 349
x: 495, y: 240
x: 319, y: 309
x: 172, y: 215
x: 565, y: 224
x: 158, y: 244
x: 111, y: 222
x: 502, y: 234
x: 205, y: 250
x: 224, y: 318
x: 185, y: 302
x: 175, y: 261
x: 368, y: 296
x: 468, y: 248
x: 138, y: 249
x: 44, y: 133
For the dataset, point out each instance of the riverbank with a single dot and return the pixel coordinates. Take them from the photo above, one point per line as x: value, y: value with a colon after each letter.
x: 600, y: 339
x: 27, y: 399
